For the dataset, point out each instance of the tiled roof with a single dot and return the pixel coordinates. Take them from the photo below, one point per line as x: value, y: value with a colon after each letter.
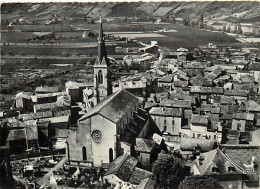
x: 200, y: 81
x: 114, y: 106
x: 147, y: 183
x: 62, y: 133
x: 143, y: 145
x: 16, y: 134
x: 252, y: 106
x: 243, y: 116
x: 180, y: 83
x: 206, y: 90
x: 220, y: 160
x: 150, y: 105
x: 176, y: 103
x: 199, y: 120
x: 36, y: 115
x: 138, y: 175
x: 166, y: 79
x: 242, y: 93
x: 23, y: 95
x: 122, y: 167
x: 176, y: 112
x: 73, y: 84
x: 61, y: 119
x: 46, y: 89
x: 255, y: 66
x: 213, y: 75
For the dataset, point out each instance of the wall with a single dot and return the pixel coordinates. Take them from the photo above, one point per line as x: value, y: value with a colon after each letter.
x: 160, y: 122
x: 78, y: 139
x: 145, y: 159
x: 100, y: 150
x: 235, y: 122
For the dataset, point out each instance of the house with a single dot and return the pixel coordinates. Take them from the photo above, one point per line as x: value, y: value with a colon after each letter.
x: 75, y: 90
x: 168, y: 120
x: 137, y: 85
x: 206, y: 94
x: 139, y: 62
x: 124, y: 168
x: 96, y: 139
x: 242, y: 121
x: 62, y: 103
x: 16, y: 140
x: 220, y: 166
x: 24, y: 139
x: 61, y: 122
x: 250, y: 106
x: 23, y: 101
x: 200, y: 81
x: 233, y: 137
x: 165, y: 81
x: 240, y: 95
x: 248, y: 158
x: 200, y: 128
x: 145, y: 150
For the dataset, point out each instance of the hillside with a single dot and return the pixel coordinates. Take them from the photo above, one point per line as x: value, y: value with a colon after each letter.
x: 216, y: 11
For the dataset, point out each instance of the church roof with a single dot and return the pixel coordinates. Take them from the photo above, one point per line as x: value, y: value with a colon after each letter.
x: 114, y: 107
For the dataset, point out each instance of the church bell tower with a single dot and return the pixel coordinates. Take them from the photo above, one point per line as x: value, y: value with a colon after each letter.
x: 102, y: 75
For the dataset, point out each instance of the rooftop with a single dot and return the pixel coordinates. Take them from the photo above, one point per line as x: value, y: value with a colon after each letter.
x: 114, y: 106
x: 199, y: 120
x: 176, y: 112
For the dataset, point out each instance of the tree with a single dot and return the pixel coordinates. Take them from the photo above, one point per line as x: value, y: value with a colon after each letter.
x: 239, y: 29
x: 228, y: 29
x: 224, y: 28
x: 200, y: 25
x: 201, y: 19
x: 168, y: 171
x: 199, y: 182
x: 235, y: 29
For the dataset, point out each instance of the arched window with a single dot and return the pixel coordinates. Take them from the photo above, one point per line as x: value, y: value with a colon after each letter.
x: 100, y: 77
x: 84, y: 153
x: 110, y: 155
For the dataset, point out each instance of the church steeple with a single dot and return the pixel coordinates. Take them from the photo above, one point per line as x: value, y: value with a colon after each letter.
x: 102, y: 53
x: 102, y: 75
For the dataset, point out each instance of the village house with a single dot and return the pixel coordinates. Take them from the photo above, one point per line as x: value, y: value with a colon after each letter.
x: 168, y: 120
x: 165, y: 81
x: 145, y: 151
x: 218, y: 165
x: 242, y: 121
x: 23, y: 101
x: 75, y: 90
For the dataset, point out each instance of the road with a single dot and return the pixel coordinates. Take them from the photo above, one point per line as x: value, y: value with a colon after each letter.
x: 44, y: 180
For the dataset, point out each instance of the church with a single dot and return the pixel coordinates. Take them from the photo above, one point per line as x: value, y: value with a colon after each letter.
x: 96, y: 139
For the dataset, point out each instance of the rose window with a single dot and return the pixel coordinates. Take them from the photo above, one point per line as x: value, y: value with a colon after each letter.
x: 97, y: 135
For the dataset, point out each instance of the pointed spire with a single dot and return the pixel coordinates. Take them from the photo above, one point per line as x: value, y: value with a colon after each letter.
x: 101, y: 46
x: 101, y: 36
